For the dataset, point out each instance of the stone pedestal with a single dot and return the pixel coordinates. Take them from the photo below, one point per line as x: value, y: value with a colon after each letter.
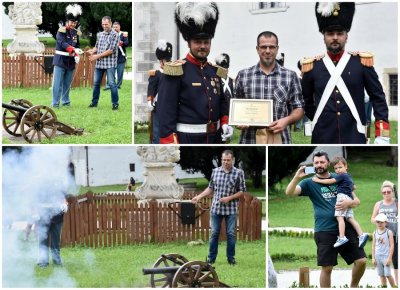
x: 25, y: 41
x: 159, y: 183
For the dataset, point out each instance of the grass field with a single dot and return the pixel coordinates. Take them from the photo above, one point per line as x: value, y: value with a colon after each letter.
x: 368, y: 172
x: 122, y: 266
x: 101, y: 125
x: 297, y: 137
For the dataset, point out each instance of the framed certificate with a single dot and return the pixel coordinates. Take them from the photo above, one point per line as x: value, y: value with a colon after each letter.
x: 251, y: 112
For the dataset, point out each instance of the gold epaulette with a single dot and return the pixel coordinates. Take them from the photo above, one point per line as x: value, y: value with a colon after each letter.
x: 78, y: 32
x: 151, y: 73
x: 366, y: 58
x: 221, y: 72
x: 174, y: 68
x: 62, y: 29
x: 307, y: 64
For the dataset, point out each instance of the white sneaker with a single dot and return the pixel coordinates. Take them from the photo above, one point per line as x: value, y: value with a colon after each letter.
x: 340, y: 241
x: 362, y: 240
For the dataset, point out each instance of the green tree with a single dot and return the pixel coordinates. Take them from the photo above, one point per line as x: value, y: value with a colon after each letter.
x: 92, y: 12
x: 283, y: 161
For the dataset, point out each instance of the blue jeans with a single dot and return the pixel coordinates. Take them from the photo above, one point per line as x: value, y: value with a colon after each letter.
x: 120, y: 75
x: 230, y: 222
x: 62, y: 79
x: 98, y: 75
x: 52, y: 231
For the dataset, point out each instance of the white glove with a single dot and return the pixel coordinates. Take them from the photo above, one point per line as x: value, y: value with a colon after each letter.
x: 150, y: 106
x: 64, y: 207
x: 382, y: 140
x: 227, y: 132
x: 77, y: 58
x: 78, y: 50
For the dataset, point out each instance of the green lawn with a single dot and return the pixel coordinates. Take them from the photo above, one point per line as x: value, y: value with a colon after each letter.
x: 297, y: 137
x: 122, y: 266
x: 368, y: 172
x: 101, y: 125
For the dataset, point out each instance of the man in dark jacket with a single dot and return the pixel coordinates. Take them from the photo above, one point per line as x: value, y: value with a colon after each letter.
x: 192, y: 107
x: 66, y: 56
x: 333, y: 85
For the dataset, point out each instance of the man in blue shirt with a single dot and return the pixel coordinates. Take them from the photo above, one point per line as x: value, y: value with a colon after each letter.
x: 227, y: 183
x: 326, y: 231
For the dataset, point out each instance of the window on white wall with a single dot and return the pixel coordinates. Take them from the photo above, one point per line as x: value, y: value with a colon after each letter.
x: 268, y: 7
x: 393, y: 89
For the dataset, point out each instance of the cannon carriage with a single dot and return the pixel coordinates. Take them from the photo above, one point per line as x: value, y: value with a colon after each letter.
x: 22, y: 118
x: 175, y: 271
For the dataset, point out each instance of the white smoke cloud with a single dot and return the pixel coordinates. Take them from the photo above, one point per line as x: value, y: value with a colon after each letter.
x: 35, y: 182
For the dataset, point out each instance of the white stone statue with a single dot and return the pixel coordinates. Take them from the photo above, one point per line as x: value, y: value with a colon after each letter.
x: 159, y: 175
x: 25, y: 16
x: 25, y: 13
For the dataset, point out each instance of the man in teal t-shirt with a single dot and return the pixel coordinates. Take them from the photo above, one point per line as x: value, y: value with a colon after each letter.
x: 323, y: 198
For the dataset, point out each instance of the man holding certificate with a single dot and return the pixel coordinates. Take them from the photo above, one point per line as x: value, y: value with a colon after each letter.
x: 192, y: 107
x: 268, y: 80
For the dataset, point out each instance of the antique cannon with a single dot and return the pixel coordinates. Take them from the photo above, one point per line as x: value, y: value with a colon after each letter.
x: 174, y: 270
x: 21, y: 118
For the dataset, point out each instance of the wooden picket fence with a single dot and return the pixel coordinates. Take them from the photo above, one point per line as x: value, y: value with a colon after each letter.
x: 111, y: 220
x: 28, y: 71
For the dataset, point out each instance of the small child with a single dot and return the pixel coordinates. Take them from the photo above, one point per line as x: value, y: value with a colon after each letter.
x: 382, y: 250
x: 345, y: 188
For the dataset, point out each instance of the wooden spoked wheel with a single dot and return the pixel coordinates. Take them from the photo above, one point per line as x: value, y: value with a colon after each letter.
x: 12, y: 119
x: 195, y: 274
x: 38, y: 122
x: 168, y: 260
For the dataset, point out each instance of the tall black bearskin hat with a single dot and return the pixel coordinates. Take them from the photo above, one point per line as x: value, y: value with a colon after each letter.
x: 73, y: 12
x: 222, y: 60
x: 334, y: 15
x: 196, y: 20
x: 164, y: 50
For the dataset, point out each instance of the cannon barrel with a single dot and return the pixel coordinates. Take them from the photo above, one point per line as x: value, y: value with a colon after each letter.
x: 14, y: 108
x: 163, y: 270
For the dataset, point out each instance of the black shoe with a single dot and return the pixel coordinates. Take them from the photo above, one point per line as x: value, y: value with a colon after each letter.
x: 232, y: 261
x: 209, y: 261
x: 106, y: 89
x: 92, y: 105
x: 115, y: 107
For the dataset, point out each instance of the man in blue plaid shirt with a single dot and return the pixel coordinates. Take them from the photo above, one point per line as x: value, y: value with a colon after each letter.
x: 228, y: 185
x: 105, y: 53
x: 270, y: 80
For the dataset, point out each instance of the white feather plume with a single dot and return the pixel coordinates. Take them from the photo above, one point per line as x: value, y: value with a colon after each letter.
x: 200, y: 12
x: 162, y: 45
x: 326, y: 8
x: 220, y: 58
x: 74, y: 9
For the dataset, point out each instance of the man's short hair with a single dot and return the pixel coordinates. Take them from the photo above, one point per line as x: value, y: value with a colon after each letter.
x: 320, y: 153
x: 267, y: 34
x: 228, y: 152
x: 106, y: 18
x: 116, y: 23
x: 338, y: 159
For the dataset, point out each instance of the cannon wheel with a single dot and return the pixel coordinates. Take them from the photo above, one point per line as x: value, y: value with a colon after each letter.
x: 38, y: 121
x: 12, y: 119
x: 196, y: 274
x: 165, y: 280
